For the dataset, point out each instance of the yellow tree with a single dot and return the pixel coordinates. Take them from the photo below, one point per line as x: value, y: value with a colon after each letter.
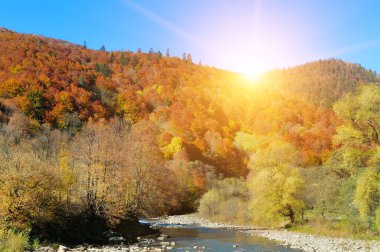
x: 276, y: 186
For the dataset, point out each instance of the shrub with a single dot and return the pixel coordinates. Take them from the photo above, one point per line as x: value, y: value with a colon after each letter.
x: 226, y: 201
x: 13, y: 241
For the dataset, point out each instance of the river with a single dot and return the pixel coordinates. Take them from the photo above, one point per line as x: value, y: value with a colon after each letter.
x: 194, y: 238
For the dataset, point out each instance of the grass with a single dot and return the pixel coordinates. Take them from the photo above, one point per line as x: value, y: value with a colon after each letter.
x: 12, y: 241
x: 337, y: 227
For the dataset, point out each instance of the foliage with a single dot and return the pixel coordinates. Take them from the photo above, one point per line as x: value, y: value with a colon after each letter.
x: 12, y: 241
x: 172, y: 148
x: 226, y: 201
x: 356, y: 157
x: 367, y: 196
x: 323, y: 82
x: 276, y: 186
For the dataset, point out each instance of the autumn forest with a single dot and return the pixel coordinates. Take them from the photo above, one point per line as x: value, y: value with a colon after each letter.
x: 103, y: 138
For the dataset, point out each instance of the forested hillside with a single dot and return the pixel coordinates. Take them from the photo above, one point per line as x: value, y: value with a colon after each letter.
x: 322, y: 82
x: 119, y: 135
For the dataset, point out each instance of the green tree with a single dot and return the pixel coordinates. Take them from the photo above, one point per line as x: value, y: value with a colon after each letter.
x: 112, y: 57
x: 158, y: 56
x: 361, y: 111
x: 276, y: 186
x: 103, y: 69
x: 135, y: 61
x: 37, y: 105
x: 227, y: 200
x: 123, y: 59
x: 367, y: 195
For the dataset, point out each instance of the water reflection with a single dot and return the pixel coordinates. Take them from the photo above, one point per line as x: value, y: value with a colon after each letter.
x: 193, y: 238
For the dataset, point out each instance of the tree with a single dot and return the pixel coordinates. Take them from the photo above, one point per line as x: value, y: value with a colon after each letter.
x: 357, y: 156
x: 367, y: 195
x: 81, y: 82
x: 37, y: 105
x: 158, y: 56
x: 104, y: 69
x: 276, y: 186
x: 150, y: 54
x: 227, y: 201
x: 135, y: 61
x: 123, y: 59
x: 362, y: 112
x: 188, y: 58
x: 103, y: 48
x: 112, y: 57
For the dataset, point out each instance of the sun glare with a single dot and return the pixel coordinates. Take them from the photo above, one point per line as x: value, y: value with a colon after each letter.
x: 251, y: 73
x: 252, y: 76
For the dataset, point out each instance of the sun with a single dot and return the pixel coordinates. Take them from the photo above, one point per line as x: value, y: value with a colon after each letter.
x: 252, y: 73
x: 252, y: 76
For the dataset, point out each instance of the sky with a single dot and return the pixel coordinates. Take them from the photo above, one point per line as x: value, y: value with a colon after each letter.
x: 249, y: 36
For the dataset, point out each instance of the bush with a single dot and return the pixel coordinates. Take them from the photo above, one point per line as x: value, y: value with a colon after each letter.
x: 13, y: 241
x: 378, y: 219
x: 226, y: 201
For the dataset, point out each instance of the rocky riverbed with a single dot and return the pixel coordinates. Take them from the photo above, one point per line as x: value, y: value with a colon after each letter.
x: 306, y: 242
x: 294, y: 240
x: 145, y: 244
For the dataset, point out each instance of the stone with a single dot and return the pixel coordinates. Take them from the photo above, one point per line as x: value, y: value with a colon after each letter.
x: 62, y: 248
x: 116, y: 240
x: 164, y: 243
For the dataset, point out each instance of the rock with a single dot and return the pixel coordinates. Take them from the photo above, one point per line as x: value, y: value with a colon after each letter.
x: 160, y: 238
x: 80, y: 248
x: 108, y: 234
x: 116, y: 240
x: 155, y: 226
x: 235, y: 246
x: 62, y: 248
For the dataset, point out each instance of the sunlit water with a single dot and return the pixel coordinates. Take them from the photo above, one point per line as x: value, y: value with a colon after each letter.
x: 220, y: 240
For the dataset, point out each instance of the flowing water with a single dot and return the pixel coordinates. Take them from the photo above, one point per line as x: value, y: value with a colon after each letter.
x: 193, y: 238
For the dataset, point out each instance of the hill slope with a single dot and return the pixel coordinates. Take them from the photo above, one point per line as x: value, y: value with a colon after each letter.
x: 64, y: 85
x: 322, y: 82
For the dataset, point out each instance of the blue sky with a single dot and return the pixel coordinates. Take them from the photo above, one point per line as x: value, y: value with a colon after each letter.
x: 239, y: 35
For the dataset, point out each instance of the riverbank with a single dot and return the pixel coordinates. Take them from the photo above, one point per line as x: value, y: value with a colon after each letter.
x: 306, y: 242
x: 144, y: 244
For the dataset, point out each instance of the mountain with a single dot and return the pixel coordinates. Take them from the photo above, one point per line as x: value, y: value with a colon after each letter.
x: 322, y: 82
x: 64, y: 85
